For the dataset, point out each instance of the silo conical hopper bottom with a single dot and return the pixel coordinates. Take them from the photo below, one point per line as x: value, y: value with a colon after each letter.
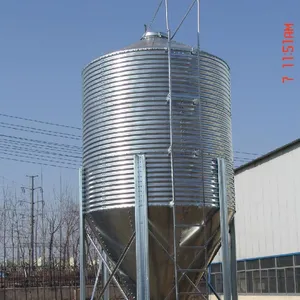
x: 196, y: 247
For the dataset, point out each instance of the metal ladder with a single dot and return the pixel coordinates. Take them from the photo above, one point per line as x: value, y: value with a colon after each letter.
x: 180, y: 273
x: 198, y: 247
x: 196, y: 292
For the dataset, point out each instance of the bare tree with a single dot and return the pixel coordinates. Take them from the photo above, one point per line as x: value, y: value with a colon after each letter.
x: 57, y: 232
x: 54, y: 224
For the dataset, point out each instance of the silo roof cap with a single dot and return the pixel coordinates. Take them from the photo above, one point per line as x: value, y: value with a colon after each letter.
x: 156, y: 40
x: 152, y: 34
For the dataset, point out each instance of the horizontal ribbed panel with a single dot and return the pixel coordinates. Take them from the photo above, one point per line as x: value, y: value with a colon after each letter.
x: 125, y: 111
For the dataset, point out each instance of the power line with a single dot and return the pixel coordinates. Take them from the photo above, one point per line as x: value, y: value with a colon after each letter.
x: 43, y: 142
x: 58, y: 154
x: 247, y: 153
x: 40, y: 157
x: 63, y: 158
x: 74, y: 167
x: 73, y: 158
x: 12, y: 181
x: 155, y: 14
x: 242, y: 159
x: 183, y: 19
x: 29, y: 155
x: 38, y: 163
x: 68, y: 135
x: 39, y: 146
x: 38, y: 121
x: 59, y: 145
x: 9, y: 146
x: 62, y: 162
x: 78, y: 148
x: 39, y: 131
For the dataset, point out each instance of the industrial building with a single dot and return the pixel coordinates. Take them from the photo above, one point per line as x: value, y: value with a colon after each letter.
x: 267, y: 227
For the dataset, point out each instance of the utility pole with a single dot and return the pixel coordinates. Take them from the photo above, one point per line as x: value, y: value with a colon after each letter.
x: 4, y: 233
x: 43, y: 225
x: 32, y: 215
x: 60, y: 230
x: 36, y: 230
x: 32, y: 223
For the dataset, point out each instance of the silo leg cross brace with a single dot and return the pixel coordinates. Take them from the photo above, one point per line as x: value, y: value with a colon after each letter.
x: 116, y: 268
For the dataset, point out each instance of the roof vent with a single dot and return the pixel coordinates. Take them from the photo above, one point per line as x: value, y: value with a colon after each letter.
x: 151, y: 34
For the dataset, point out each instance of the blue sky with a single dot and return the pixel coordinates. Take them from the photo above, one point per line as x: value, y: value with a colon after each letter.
x: 45, y: 44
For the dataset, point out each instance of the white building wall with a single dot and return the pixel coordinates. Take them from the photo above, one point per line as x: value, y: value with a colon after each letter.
x: 268, y: 208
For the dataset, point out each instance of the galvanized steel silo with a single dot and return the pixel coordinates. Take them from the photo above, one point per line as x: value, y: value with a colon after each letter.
x: 125, y: 111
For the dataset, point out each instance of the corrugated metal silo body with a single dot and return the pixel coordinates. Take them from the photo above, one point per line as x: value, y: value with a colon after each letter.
x: 125, y: 111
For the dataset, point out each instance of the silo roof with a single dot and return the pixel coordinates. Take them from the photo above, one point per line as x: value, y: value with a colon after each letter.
x: 156, y: 40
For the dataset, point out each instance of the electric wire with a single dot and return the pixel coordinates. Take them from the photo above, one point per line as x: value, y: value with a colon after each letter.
x: 39, y: 131
x: 59, y: 154
x: 242, y: 159
x: 183, y: 19
x: 59, y: 151
x: 77, y: 149
x: 74, y: 148
x: 43, y: 130
x: 43, y: 142
x: 155, y: 14
x: 37, y: 157
x: 71, y: 135
x: 39, y: 121
x: 7, y: 179
x: 247, y: 153
x: 38, y: 146
x: 30, y: 150
x: 38, y: 163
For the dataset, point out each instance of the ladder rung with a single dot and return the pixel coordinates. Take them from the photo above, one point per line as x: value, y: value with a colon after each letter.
x: 189, y: 225
x: 191, y: 270
x: 193, y: 247
x: 192, y: 293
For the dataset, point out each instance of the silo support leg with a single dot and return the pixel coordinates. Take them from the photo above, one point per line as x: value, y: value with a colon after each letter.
x: 105, y: 277
x: 226, y: 265
x: 233, y: 260
x: 82, y: 240
x: 141, y: 228
x: 82, y: 264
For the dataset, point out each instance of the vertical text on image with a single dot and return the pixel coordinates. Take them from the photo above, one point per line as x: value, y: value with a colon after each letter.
x: 288, y: 49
